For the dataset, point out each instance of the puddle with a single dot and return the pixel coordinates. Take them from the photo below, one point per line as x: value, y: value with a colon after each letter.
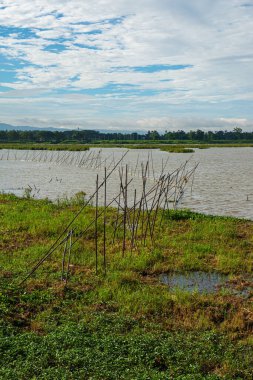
x: 203, y: 282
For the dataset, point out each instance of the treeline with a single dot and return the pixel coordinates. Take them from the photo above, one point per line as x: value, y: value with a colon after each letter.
x: 89, y: 136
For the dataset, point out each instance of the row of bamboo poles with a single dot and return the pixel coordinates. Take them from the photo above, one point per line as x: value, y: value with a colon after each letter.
x: 93, y: 159
x: 138, y: 218
x: 85, y: 159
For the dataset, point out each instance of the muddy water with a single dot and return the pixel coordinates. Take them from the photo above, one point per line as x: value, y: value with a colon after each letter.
x: 223, y: 182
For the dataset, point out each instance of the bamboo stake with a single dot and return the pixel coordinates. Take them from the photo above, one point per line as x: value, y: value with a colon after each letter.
x: 104, y: 235
x: 96, y: 225
x: 125, y: 215
x: 55, y: 245
x: 70, y: 247
x: 63, y: 258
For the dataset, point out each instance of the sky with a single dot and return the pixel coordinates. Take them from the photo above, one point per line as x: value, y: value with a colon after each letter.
x: 127, y: 64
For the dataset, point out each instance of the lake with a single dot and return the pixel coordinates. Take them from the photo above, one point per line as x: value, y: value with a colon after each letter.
x: 223, y: 180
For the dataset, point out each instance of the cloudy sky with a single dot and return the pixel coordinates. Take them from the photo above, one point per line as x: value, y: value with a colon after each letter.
x: 130, y: 64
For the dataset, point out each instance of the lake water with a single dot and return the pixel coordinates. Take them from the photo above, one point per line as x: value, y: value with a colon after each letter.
x: 223, y: 181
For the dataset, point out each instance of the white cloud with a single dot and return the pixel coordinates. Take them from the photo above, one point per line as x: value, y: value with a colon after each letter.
x: 215, y: 37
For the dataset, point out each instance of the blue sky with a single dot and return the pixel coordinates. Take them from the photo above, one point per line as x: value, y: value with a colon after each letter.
x: 160, y: 64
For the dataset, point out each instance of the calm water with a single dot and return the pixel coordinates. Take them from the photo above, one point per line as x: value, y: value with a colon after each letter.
x: 223, y: 181
x: 203, y: 282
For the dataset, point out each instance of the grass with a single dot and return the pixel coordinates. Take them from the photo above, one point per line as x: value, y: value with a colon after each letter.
x: 126, y: 325
x: 44, y: 146
x: 172, y: 147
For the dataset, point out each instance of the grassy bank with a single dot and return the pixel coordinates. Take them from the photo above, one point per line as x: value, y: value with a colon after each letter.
x: 172, y: 147
x: 30, y: 146
x: 125, y: 325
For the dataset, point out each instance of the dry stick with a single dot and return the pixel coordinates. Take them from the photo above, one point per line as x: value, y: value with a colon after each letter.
x: 123, y: 207
x: 89, y: 225
x: 152, y: 162
x: 137, y: 163
x: 98, y: 164
x: 82, y: 160
x: 133, y: 221
x: 125, y: 215
x: 140, y: 208
x: 112, y: 161
x: 145, y: 204
x: 184, y: 182
x: 54, y: 247
x: 176, y: 186
x: 140, y: 203
x: 41, y: 261
x: 36, y: 155
x: 96, y: 225
x: 63, y: 257
x: 179, y: 178
x: 87, y: 158
x: 143, y: 191
x: 104, y: 248
x: 150, y: 211
x: 96, y: 160
x: 92, y: 159
x: 107, y: 158
x: 169, y: 180
x: 70, y: 247
x: 155, y: 205
x: 193, y: 177
x: 166, y: 202
x: 117, y: 218
x: 166, y: 198
x: 138, y: 218
x: 162, y: 189
x: 155, y: 201
x: 148, y: 163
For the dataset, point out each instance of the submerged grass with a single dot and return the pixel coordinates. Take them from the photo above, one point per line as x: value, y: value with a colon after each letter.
x: 126, y: 325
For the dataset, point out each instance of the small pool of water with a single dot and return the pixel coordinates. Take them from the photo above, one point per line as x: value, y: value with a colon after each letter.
x: 204, y: 282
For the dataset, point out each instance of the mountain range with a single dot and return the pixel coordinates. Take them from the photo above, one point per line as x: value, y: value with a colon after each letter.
x: 9, y: 127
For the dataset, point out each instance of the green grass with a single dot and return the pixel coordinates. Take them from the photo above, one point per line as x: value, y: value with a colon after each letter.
x: 168, y: 146
x: 125, y: 325
x: 115, y: 348
x: 44, y: 146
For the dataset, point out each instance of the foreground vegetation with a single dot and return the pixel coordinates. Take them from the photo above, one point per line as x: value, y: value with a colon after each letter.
x: 125, y: 325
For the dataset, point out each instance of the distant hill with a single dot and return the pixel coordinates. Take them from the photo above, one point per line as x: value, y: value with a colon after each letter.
x: 8, y: 127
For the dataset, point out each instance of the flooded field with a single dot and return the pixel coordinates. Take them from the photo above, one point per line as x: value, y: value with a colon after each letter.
x: 222, y: 183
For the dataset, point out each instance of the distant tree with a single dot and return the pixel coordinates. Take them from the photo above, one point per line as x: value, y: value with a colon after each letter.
x: 237, y: 132
x: 153, y: 135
